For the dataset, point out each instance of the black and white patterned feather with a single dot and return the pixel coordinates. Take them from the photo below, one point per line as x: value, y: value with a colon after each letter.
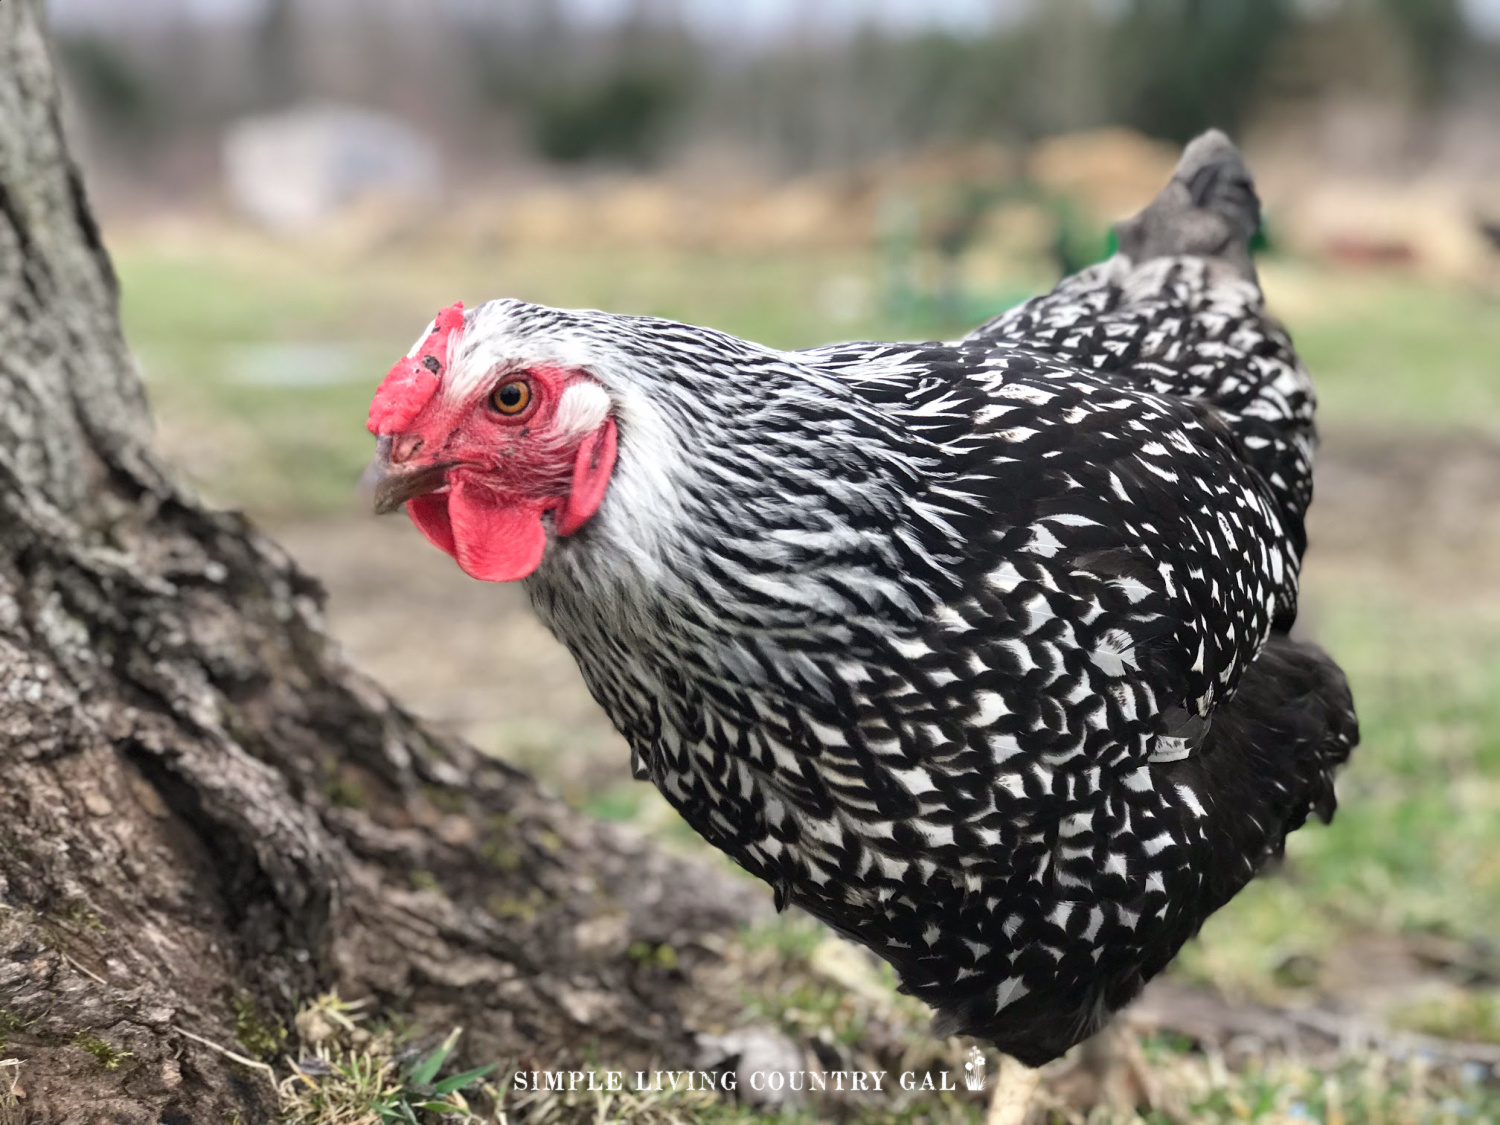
x: 976, y: 651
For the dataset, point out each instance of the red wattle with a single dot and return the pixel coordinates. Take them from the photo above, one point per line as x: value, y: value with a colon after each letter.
x: 430, y: 514
x: 497, y: 538
x: 591, y: 472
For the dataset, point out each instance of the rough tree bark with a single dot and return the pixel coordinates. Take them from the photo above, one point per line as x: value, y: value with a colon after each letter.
x: 202, y: 806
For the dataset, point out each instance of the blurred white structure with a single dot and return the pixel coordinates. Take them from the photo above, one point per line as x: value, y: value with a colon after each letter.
x: 290, y: 171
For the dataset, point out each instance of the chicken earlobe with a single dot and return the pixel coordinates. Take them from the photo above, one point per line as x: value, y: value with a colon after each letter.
x: 592, y: 467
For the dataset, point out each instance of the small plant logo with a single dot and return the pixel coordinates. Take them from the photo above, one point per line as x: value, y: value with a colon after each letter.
x: 974, y: 1069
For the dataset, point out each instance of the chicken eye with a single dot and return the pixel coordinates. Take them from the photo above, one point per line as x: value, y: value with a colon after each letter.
x: 511, y: 398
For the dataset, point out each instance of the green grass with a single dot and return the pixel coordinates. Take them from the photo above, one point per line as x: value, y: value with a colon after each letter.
x: 1390, y: 351
x: 1415, y: 846
x: 1372, y: 1090
x: 346, y: 1074
x: 10, y: 1084
x: 1472, y: 1017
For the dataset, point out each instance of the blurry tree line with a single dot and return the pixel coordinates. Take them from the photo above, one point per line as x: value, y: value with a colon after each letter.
x: 525, y: 77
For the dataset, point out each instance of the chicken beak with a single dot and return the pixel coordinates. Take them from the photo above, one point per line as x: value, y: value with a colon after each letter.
x: 391, y: 485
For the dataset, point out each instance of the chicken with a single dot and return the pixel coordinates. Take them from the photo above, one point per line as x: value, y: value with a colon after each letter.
x: 977, y: 651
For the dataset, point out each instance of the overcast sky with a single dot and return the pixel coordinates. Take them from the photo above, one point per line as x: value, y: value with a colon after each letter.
x: 746, y: 16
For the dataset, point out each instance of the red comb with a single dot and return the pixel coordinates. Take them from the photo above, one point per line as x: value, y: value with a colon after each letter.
x: 412, y: 382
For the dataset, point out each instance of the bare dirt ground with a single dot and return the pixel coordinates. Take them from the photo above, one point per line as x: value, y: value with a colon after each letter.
x: 1422, y: 509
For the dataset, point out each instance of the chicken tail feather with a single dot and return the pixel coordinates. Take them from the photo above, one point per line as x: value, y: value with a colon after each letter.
x: 1269, y: 761
x: 1209, y: 210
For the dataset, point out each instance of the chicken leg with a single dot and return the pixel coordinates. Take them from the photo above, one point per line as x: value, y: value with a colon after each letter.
x: 1015, y: 1090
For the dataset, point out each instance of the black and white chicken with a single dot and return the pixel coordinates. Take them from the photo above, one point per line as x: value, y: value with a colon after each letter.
x: 977, y: 651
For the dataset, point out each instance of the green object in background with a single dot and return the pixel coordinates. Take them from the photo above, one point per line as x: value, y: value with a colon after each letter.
x: 1079, y: 242
x: 949, y: 306
x: 1262, y: 243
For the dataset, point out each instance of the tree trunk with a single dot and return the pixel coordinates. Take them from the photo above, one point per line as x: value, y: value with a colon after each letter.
x: 206, y: 816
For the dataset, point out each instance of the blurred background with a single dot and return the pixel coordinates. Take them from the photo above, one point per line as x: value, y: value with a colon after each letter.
x: 291, y: 188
